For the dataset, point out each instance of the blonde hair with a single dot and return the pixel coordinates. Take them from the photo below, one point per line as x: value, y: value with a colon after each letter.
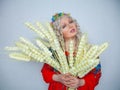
x: 57, y: 30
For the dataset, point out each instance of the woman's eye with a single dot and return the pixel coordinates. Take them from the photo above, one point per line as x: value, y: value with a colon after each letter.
x: 63, y: 26
x: 71, y: 21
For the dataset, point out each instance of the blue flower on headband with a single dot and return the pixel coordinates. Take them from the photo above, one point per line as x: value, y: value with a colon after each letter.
x: 56, y: 16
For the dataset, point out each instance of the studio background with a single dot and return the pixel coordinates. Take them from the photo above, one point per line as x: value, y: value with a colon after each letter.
x: 99, y: 18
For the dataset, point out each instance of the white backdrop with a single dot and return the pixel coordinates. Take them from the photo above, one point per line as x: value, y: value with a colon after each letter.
x: 99, y: 18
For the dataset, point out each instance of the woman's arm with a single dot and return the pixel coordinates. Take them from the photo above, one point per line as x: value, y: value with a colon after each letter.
x: 47, y: 73
x: 88, y: 82
x: 91, y: 79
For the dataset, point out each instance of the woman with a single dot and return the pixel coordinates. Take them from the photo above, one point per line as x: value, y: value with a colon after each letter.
x: 67, y: 29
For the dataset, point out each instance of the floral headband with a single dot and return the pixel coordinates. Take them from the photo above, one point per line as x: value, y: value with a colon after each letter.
x: 58, y: 15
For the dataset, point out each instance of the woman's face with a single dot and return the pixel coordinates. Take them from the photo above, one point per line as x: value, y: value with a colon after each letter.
x: 68, y: 28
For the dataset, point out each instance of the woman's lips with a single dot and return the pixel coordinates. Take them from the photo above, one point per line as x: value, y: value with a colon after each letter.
x: 72, y: 31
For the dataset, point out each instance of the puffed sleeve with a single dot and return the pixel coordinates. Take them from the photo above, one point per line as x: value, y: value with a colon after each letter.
x: 47, y: 73
x: 92, y: 79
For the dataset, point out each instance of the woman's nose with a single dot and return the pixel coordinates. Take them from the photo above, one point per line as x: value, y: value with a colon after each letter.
x: 69, y: 25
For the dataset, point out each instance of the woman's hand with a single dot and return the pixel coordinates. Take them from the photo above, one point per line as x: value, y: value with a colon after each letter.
x: 69, y: 80
x: 62, y: 78
x: 75, y: 82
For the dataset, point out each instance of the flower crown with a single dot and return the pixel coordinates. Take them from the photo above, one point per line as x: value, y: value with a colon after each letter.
x: 57, y: 15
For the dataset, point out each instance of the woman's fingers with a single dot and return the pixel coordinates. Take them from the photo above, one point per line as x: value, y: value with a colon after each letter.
x: 69, y: 80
